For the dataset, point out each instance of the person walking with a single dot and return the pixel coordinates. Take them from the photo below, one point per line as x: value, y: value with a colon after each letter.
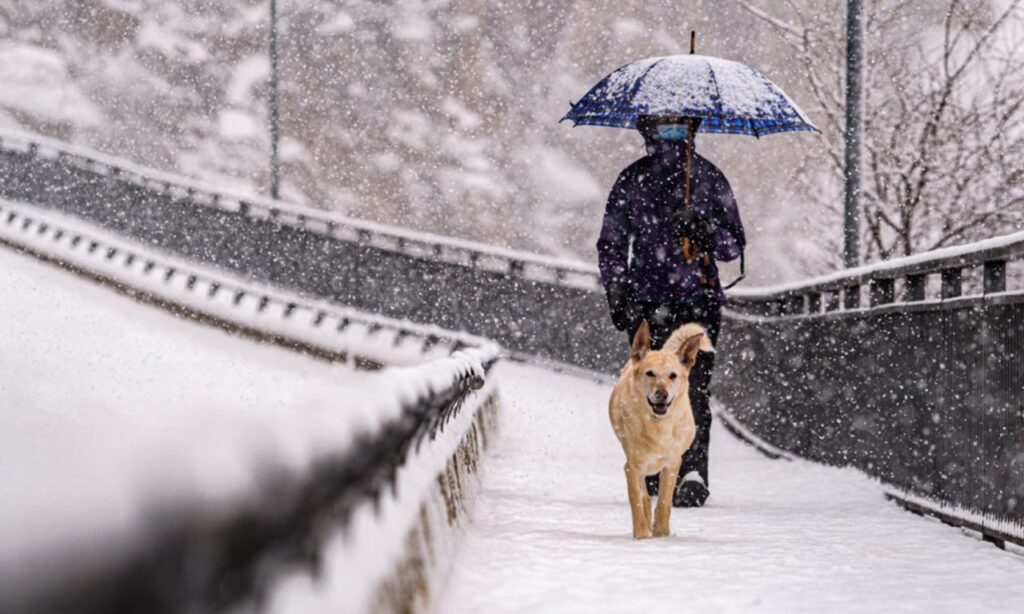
x: 647, y: 276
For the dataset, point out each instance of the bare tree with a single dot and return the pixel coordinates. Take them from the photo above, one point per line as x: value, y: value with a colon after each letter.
x: 944, y: 117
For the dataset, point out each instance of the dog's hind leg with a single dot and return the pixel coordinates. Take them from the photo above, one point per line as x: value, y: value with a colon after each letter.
x: 666, y: 485
x: 639, y: 503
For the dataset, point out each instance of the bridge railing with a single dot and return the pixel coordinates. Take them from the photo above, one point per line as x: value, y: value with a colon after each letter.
x: 901, y: 280
x: 382, y: 236
x: 911, y: 370
x: 306, y: 482
x: 270, y: 315
x: 531, y: 305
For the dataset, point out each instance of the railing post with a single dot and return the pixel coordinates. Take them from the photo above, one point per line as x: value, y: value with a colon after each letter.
x: 851, y: 296
x: 882, y: 291
x: 952, y: 283
x: 995, y: 276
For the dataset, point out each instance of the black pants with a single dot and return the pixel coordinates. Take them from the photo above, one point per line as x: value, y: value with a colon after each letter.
x: 663, y: 319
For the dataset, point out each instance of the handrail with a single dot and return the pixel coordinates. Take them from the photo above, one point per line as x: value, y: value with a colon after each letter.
x: 393, y: 238
x: 997, y: 249
x: 205, y: 556
x: 302, y: 323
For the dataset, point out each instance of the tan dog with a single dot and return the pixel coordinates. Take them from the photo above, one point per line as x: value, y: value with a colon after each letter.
x: 651, y: 415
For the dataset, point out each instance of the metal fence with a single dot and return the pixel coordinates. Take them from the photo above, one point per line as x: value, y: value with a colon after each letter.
x: 905, y: 371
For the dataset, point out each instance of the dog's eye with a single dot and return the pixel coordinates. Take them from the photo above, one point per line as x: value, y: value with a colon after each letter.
x: 649, y: 374
x: 673, y: 375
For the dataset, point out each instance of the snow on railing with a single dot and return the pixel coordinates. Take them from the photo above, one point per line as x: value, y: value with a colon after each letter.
x: 843, y: 290
x: 271, y: 315
x: 391, y: 238
x: 253, y: 506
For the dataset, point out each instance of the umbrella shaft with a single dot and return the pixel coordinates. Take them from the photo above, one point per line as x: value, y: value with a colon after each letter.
x: 688, y: 254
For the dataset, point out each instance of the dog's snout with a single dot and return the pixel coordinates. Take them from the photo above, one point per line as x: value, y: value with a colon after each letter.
x: 660, y: 394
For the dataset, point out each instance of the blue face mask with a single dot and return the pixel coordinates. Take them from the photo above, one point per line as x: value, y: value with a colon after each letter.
x: 672, y: 132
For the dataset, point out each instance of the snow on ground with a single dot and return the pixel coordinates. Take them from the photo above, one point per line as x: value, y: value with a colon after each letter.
x: 551, y: 530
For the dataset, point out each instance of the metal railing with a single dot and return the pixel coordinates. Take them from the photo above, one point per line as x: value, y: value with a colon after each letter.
x: 911, y: 370
x: 213, y: 297
x: 213, y: 560
x: 529, y: 304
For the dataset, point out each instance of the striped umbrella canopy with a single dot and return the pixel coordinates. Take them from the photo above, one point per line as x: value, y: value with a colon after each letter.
x: 727, y: 96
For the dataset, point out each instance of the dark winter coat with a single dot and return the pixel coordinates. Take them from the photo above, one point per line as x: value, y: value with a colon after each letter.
x: 638, y: 244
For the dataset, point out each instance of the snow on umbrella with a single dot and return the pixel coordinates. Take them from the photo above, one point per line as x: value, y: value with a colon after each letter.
x: 727, y: 96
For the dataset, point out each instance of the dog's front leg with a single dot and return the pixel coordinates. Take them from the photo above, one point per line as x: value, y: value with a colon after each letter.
x: 666, y: 486
x: 635, y: 489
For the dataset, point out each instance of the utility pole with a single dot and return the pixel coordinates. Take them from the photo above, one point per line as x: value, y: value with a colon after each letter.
x: 854, y: 130
x: 275, y: 130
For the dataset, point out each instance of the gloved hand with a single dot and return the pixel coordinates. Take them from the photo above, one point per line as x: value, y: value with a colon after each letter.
x: 618, y: 293
x: 698, y: 227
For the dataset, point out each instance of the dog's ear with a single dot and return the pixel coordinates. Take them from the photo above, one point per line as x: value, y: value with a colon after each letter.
x: 641, y: 342
x: 690, y: 346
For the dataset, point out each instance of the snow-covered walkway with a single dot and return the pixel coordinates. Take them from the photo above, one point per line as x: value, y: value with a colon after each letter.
x: 551, y: 530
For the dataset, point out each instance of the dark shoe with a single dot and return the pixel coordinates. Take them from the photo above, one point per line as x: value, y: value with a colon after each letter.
x: 691, y: 492
x: 652, y: 485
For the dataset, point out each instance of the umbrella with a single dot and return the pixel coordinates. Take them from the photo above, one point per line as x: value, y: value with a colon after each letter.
x: 725, y: 96
x: 728, y: 97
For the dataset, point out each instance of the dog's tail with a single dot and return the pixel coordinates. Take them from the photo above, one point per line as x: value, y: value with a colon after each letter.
x: 688, y: 331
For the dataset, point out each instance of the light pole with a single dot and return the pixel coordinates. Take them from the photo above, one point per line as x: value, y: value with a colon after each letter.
x: 275, y: 131
x: 854, y: 129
